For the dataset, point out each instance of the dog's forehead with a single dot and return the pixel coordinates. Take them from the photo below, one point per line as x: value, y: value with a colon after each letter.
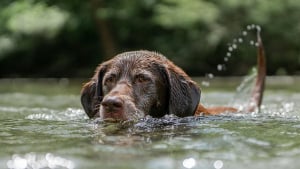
x: 138, y: 60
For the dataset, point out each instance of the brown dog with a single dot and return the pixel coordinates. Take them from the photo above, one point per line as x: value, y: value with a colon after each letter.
x: 138, y: 83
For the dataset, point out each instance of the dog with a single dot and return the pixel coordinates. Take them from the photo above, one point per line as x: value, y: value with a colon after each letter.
x: 138, y: 83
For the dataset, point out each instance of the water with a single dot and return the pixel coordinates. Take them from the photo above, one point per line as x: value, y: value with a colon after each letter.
x: 244, y: 36
x: 42, y: 125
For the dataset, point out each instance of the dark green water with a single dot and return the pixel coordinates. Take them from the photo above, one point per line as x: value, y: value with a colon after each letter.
x: 42, y: 125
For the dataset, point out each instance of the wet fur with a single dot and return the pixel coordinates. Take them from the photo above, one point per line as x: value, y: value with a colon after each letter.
x: 168, y: 90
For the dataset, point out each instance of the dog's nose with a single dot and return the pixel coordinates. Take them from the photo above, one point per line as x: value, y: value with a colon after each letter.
x: 112, y: 103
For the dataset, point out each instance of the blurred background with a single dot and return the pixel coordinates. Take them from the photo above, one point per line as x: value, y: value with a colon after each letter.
x: 59, y: 38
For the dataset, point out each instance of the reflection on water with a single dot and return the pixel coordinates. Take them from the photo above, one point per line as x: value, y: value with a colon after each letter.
x: 50, y: 130
x: 54, y: 115
x: 34, y: 161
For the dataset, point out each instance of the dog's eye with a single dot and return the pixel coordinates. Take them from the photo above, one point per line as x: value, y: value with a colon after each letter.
x: 141, y: 79
x: 110, y: 79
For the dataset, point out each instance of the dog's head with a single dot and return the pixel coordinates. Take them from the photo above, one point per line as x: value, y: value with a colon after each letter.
x: 139, y: 83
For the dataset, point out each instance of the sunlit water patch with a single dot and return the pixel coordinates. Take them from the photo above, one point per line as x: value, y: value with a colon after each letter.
x: 68, y: 114
x: 34, y: 161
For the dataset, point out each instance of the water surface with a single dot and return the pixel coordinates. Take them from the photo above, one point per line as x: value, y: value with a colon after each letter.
x: 43, y: 126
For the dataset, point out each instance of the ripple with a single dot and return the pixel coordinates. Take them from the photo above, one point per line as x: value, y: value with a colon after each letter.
x: 258, y: 142
x: 55, y: 115
x: 34, y: 100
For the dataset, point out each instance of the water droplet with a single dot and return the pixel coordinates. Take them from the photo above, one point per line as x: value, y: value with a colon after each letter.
x: 210, y: 75
x: 228, y: 54
x: 205, y: 83
x: 258, y: 28
x: 230, y: 49
x: 245, y: 33
x: 219, y: 67
x: 253, y: 26
x: 256, y: 44
x: 234, y: 46
x: 218, y: 164
x: 249, y: 27
x: 251, y: 42
x: 226, y: 59
x: 240, y: 40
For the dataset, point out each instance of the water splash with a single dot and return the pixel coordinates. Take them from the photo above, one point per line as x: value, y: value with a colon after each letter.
x: 232, y: 47
x: 239, y: 40
x: 243, y: 91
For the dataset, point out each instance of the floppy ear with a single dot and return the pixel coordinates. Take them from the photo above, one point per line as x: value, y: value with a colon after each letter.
x: 92, y: 94
x: 88, y: 100
x: 184, y: 93
x: 100, y: 74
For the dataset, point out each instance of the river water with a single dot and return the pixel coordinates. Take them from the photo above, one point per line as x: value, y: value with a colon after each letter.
x: 42, y: 125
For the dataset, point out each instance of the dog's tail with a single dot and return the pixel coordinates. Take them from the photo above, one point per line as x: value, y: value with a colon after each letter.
x: 258, y: 90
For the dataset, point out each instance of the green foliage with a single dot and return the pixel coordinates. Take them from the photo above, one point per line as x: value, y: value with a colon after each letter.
x: 24, y: 21
x: 180, y: 14
x: 25, y: 17
x: 65, y: 38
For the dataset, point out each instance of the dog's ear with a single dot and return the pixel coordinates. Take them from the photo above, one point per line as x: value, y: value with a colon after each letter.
x: 184, y: 94
x: 88, y: 93
x: 92, y: 94
x: 100, y: 71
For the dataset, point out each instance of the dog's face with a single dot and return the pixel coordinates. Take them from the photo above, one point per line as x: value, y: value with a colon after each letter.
x: 139, y: 83
x: 133, y: 86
